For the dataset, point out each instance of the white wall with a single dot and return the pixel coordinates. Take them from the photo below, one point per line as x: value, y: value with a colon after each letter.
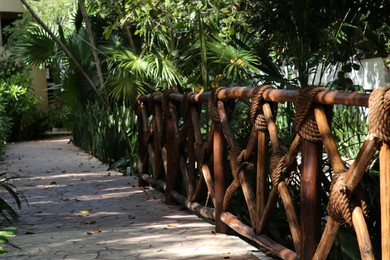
x: 13, y: 6
x: 372, y: 74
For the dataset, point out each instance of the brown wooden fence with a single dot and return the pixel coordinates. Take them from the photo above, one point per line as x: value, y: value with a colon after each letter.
x: 205, y: 168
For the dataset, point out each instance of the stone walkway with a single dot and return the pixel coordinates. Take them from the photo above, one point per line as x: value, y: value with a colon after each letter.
x: 79, y: 210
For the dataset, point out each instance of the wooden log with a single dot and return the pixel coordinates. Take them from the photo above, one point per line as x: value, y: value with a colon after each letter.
x: 164, y: 157
x: 327, y: 239
x: 326, y: 97
x: 229, y: 193
x: 172, y: 163
x: 196, y: 125
x: 184, y: 174
x: 363, y: 237
x: 157, y: 138
x: 384, y: 159
x: 219, y: 177
x: 328, y: 141
x: 199, y: 189
x: 261, y: 177
x: 272, y: 129
x: 249, y: 196
x: 271, y: 202
x: 152, y: 158
x: 191, y: 164
x: 142, y: 165
x: 262, y: 240
x: 291, y: 215
x: 252, y: 144
x: 209, y: 181
x: 194, y: 206
x: 292, y: 151
x: 360, y: 164
x: 310, y: 198
x: 225, y: 126
x: 150, y: 180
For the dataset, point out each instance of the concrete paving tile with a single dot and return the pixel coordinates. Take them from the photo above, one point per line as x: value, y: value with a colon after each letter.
x: 79, y: 210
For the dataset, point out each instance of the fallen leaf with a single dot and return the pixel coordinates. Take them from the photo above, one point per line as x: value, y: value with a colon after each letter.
x: 131, y: 217
x: 85, y: 212
x: 172, y: 225
x: 94, y: 231
x: 88, y: 222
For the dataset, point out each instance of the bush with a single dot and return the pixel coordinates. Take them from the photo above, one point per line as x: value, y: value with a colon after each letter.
x: 111, y: 137
x: 19, y: 115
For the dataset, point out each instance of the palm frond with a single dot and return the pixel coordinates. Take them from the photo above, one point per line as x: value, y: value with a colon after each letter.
x: 35, y: 47
x: 163, y: 70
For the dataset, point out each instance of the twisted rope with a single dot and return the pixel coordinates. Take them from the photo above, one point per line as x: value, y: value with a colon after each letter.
x: 256, y: 108
x: 280, y: 170
x: 213, y: 105
x: 379, y: 114
x: 305, y: 122
x: 237, y: 162
x: 340, y: 206
x: 185, y: 104
x: 165, y: 102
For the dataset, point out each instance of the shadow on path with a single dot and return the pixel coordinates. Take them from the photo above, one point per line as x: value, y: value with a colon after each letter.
x: 79, y: 210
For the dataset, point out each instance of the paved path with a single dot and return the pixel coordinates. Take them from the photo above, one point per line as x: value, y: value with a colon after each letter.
x: 79, y: 210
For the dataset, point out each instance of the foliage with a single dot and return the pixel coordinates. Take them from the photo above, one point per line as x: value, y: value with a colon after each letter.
x: 6, y: 233
x: 6, y: 211
x: 19, y: 105
x: 110, y: 136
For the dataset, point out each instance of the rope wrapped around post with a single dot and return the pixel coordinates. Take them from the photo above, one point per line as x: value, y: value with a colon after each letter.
x: 379, y: 116
x: 305, y: 122
x: 280, y: 171
x: 256, y: 109
x: 185, y: 106
x: 340, y: 204
x: 165, y: 103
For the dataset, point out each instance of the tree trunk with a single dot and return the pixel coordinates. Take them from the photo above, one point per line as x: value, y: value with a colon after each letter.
x: 92, y: 42
x: 66, y: 51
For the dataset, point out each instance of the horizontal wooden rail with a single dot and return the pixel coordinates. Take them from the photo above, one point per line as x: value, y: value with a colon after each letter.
x: 275, y: 95
x: 203, y: 167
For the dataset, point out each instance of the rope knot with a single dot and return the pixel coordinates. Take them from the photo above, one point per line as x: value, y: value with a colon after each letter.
x: 237, y: 161
x: 340, y: 205
x: 185, y: 106
x: 213, y: 104
x: 379, y: 114
x: 256, y: 108
x: 278, y: 168
x: 305, y: 122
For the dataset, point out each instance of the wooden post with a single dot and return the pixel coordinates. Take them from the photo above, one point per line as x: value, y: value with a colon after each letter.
x: 219, y: 177
x: 142, y: 161
x: 171, y: 158
x: 384, y: 158
x: 261, y: 178
x: 310, y: 198
x: 157, y: 142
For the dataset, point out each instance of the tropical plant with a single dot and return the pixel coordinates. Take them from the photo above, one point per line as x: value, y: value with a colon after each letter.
x: 110, y: 136
x: 6, y: 211
x: 6, y: 233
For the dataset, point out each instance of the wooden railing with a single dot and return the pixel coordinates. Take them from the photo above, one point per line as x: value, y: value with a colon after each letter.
x: 204, y: 168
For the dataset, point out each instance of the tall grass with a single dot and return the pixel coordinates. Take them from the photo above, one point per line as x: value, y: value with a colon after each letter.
x: 109, y: 136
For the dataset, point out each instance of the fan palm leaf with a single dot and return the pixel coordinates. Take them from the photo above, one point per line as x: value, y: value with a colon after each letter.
x: 35, y: 47
x: 236, y: 58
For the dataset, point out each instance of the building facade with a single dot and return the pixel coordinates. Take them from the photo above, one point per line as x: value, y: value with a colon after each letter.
x: 10, y: 10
